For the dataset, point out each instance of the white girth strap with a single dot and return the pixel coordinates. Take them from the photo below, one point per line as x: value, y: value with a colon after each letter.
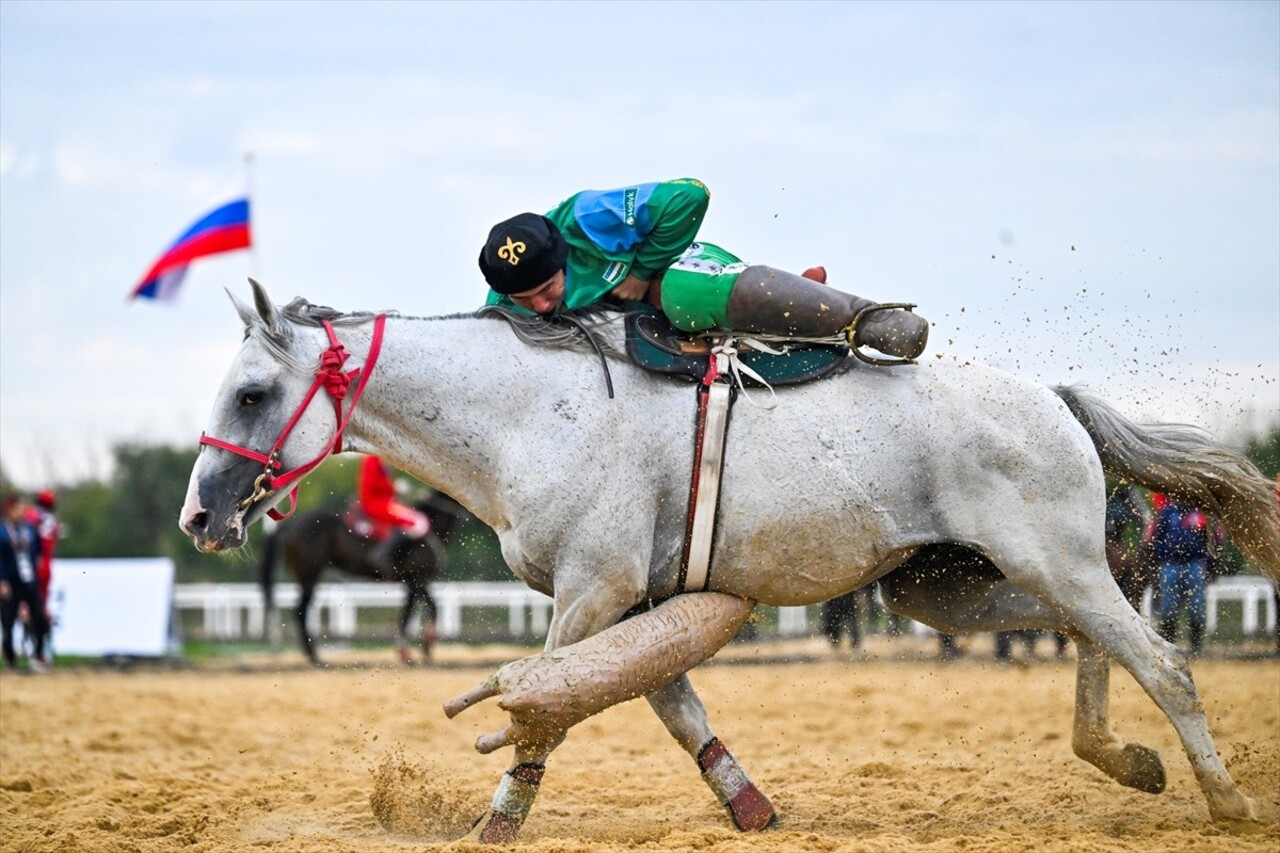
x: 703, y: 523
x: 709, y: 453
x: 708, y: 464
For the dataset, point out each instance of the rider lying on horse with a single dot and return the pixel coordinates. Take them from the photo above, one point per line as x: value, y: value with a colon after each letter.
x: 637, y: 243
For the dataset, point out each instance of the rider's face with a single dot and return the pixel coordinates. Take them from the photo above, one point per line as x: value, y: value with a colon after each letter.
x: 544, y: 298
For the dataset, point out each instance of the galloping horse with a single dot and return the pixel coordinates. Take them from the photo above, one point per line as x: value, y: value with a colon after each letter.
x: 315, y: 541
x: 975, y: 498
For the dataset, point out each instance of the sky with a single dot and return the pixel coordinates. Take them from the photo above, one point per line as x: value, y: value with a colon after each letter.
x: 1073, y: 192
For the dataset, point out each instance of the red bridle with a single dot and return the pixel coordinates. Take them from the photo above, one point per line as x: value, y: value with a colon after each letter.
x: 334, y: 380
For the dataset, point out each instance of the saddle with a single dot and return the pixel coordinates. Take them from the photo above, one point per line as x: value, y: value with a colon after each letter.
x: 654, y: 344
x: 360, y: 524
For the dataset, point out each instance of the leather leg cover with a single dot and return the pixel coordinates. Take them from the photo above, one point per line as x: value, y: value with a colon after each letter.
x: 771, y: 301
x: 775, y: 302
x: 548, y: 693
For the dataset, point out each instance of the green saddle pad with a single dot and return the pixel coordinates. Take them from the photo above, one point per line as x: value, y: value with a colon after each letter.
x: 655, y: 345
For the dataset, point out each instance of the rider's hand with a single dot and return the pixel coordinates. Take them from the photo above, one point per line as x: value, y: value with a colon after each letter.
x: 5, y: 591
x: 631, y: 288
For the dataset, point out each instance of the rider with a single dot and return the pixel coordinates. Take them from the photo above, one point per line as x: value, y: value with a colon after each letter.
x: 377, y: 495
x: 637, y: 242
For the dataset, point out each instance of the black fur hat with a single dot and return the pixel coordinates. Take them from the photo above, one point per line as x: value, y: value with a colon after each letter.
x: 522, y: 253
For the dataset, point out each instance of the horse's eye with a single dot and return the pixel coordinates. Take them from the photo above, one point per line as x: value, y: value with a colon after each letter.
x: 250, y: 398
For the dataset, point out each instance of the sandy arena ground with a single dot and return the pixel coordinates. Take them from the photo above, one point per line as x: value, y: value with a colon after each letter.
x: 867, y: 754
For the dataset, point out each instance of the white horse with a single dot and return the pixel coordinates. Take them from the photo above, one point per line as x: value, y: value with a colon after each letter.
x: 977, y: 499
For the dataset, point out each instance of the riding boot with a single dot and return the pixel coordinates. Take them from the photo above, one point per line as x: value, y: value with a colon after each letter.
x: 771, y: 301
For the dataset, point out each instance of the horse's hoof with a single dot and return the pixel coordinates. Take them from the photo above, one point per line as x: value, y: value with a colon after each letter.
x: 751, y: 810
x: 1235, y: 813
x: 404, y: 656
x: 1243, y: 825
x: 493, y: 828
x: 1146, y: 770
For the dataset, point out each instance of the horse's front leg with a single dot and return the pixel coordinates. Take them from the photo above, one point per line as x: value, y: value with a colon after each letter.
x: 685, y: 717
x: 575, y: 617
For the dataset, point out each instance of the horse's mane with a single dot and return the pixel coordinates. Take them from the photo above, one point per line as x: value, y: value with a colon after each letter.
x: 573, y: 329
x: 583, y: 329
x: 304, y: 313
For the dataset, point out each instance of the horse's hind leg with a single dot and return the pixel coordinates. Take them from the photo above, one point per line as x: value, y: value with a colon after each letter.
x: 1092, y: 738
x: 1095, y: 607
x: 967, y: 595
x: 411, y: 595
x: 429, y: 634
x: 685, y: 717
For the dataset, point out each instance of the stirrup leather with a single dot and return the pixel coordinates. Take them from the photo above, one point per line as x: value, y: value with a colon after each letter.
x: 851, y: 333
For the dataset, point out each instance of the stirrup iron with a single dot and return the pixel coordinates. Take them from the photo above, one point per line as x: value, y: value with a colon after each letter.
x: 851, y: 333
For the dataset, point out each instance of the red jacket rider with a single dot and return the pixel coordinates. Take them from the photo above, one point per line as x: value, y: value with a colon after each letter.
x: 378, y: 499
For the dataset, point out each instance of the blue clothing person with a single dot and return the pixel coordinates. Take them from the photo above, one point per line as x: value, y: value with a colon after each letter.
x: 19, y: 556
x: 1183, y: 541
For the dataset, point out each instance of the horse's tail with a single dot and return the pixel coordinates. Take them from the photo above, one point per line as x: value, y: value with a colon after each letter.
x: 1186, y: 463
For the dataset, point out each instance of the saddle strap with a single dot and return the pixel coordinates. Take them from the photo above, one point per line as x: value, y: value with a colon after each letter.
x: 714, y: 399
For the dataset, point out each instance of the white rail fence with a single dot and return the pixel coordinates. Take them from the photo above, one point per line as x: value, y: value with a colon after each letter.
x: 233, y: 611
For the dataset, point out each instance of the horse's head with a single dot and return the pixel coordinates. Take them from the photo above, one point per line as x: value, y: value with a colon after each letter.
x: 263, y: 423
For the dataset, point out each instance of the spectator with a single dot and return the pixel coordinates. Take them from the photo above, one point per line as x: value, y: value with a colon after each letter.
x: 948, y: 647
x: 1127, y: 521
x: 1183, y: 541
x: 1004, y: 643
x: 50, y: 529
x: 19, y: 556
x: 840, y: 615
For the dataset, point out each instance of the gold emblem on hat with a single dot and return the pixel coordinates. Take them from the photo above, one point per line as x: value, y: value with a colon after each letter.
x: 512, y: 251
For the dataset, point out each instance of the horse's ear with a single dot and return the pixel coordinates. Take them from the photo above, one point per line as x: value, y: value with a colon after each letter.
x: 266, y: 308
x: 247, y: 315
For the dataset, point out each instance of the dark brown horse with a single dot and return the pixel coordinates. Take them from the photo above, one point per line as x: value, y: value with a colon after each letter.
x: 314, y: 541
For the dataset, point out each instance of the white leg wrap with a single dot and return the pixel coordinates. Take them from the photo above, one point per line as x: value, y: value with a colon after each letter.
x: 548, y: 693
x: 517, y: 791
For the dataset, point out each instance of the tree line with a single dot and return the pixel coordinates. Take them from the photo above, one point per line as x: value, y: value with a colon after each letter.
x: 134, y: 513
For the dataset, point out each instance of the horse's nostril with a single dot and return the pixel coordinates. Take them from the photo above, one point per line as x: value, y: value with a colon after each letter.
x: 196, y: 523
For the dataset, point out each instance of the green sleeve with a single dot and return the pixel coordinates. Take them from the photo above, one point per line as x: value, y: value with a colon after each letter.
x: 676, y: 209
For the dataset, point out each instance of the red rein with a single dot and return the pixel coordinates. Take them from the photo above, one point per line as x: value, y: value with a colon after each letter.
x: 331, y: 377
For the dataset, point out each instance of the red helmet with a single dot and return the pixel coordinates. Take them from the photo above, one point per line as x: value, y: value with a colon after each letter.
x: 47, y: 499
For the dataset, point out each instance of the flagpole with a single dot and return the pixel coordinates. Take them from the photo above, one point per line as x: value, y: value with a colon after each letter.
x: 254, y: 272
x: 268, y: 523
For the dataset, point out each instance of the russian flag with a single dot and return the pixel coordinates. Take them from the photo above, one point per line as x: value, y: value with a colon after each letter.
x: 224, y: 229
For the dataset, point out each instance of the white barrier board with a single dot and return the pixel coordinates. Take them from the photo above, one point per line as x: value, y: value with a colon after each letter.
x: 112, y: 606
